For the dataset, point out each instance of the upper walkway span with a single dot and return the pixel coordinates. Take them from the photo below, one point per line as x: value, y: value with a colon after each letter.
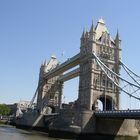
x: 70, y: 63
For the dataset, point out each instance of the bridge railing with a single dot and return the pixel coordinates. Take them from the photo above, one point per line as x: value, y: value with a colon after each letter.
x: 118, y: 111
x: 124, y: 114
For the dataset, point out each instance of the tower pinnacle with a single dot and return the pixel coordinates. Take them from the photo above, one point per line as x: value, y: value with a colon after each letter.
x: 45, y: 62
x: 92, y: 32
x: 83, y: 34
x: 117, y: 35
x: 117, y: 40
x: 92, y: 28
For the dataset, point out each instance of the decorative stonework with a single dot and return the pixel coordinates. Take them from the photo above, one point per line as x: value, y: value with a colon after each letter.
x: 49, y: 93
x: 94, y: 84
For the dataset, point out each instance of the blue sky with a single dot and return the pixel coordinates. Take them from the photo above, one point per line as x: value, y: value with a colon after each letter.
x: 32, y: 30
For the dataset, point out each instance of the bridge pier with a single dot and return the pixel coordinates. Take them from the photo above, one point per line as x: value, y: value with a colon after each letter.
x: 84, y: 123
x: 106, y: 126
x: 116, y: 127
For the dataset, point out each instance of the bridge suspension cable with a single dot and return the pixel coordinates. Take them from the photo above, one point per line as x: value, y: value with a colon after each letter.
x: 32, y: 101
x: 125, y: 86
x: 133, y: 75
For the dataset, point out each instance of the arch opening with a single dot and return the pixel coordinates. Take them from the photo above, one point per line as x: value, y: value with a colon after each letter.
x: 105, y: 103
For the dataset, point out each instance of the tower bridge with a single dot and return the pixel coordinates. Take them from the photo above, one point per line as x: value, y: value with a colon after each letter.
x: 92, y: 79
x: 98, y: 66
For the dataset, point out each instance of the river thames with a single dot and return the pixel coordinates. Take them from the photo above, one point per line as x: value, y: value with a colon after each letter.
x: 11, y: 133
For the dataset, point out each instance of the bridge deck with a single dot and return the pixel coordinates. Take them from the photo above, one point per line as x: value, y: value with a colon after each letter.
x: 122, y: 114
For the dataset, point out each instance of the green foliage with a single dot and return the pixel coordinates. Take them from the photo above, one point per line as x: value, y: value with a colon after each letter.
x: 4, y: 109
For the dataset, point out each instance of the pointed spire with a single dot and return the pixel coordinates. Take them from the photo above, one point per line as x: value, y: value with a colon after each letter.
x: 117, y: 35
x: 83, y: 34
x: 92, y: 33
x: 92, y: 28
x: 45, y: 62
x: 117, y: 40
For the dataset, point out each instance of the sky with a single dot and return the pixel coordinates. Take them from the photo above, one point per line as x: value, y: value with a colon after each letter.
x: 33, y: 30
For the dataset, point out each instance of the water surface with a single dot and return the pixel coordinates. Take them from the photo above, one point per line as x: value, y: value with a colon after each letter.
x: 11, y: 133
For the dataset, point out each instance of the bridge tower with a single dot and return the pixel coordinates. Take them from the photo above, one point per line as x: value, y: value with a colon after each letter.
x: 94, y: 84
x: 50, y: 90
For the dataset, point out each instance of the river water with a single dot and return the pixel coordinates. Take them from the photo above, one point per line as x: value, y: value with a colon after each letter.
x: 11, y: 133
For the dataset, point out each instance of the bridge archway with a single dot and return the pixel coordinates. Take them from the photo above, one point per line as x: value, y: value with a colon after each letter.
x: 105, y: 103
x: 99, y: 105
x: 70, y: 91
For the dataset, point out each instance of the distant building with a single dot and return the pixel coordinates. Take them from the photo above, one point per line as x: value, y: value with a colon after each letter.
x: 13, y: 108
x: 24, y: 105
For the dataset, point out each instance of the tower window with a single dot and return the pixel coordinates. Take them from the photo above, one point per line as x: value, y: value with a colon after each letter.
x: 103, y: 82
x: 110, y: 84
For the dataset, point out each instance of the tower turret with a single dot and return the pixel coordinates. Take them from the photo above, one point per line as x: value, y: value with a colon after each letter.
x: 117, y: 52
x: 83, y: 37
x: 92, y: 33
x: 47, y: 87
x: 42, y: 70
x: 117, y: 40
x: 94, y: 84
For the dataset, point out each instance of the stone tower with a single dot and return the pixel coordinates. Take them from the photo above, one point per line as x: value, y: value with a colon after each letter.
x: 49, y: 90
x: 94, y: 84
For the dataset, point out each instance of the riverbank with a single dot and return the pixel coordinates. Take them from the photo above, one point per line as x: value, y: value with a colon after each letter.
x: 3, y: 121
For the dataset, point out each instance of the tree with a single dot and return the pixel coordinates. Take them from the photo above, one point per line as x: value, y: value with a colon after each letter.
x: 4, y: 109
